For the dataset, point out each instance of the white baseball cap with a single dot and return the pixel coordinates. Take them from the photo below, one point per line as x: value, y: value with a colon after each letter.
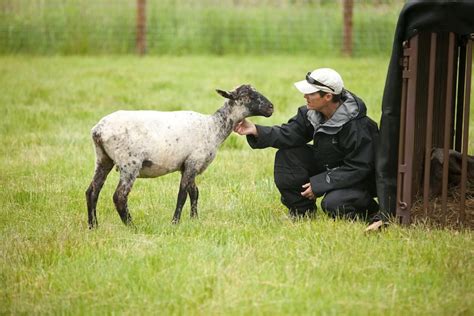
x: 322, y: 79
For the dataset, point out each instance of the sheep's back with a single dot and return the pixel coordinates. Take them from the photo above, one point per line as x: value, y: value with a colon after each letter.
x: 164, y: 139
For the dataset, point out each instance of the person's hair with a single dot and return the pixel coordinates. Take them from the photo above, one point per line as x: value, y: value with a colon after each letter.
x: 335, y: 97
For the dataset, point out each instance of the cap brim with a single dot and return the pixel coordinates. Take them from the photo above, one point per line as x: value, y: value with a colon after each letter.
x: 304, y: 87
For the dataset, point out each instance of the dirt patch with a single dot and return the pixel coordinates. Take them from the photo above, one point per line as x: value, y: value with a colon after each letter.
x: 451, y: 218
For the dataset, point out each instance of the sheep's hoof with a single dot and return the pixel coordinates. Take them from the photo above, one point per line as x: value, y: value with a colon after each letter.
x: 175, y: 221
x: 131, y: 225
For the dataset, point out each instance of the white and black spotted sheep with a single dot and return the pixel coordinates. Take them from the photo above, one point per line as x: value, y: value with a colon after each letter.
x: 149, y: 144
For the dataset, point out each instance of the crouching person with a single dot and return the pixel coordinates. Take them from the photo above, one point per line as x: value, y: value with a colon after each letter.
x: 338, y: 165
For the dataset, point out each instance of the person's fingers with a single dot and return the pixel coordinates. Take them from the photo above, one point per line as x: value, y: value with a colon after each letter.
x: 245, y: 127
x: 308, y: 193
x: 237, y: 126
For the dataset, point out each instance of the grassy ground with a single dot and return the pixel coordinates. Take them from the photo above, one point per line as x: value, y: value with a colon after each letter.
x: 242, y: 256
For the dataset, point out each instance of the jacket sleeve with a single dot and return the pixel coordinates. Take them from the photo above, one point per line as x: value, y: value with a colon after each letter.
x: 358, y: 145
x: 297, y: 132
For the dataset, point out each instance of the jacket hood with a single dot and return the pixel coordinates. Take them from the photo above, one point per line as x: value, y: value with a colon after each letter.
x: 351, y: 108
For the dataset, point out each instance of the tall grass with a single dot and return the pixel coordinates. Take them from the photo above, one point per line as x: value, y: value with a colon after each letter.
x: 190, y: 27
x: 242, y: 256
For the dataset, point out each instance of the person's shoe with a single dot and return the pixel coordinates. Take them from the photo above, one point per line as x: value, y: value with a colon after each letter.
x: 296, y: 214
x: 373, y: 208
x: 375, y: 226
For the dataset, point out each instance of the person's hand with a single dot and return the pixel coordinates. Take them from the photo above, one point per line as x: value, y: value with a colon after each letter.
x: 308, y: 193
x: 245, y: 127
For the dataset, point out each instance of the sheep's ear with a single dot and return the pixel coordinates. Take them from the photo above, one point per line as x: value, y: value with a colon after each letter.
x: 226, y: 94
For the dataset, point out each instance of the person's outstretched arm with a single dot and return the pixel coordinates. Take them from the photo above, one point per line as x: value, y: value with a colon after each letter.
x: 297, y: 132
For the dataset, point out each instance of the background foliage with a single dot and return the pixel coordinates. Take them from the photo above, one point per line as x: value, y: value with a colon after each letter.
x: 202, y: 27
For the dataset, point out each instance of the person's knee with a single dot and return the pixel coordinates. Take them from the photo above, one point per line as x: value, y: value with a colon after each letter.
x: 346, y: 203
x: 332, y: 204
x: 295, y: 156
x: 280, y: 171
x: 335, y: 205
x: 288, y: 174
x: 283, y: 157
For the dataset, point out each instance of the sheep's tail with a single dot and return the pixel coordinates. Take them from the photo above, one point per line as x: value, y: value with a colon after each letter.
x: 100, y: 153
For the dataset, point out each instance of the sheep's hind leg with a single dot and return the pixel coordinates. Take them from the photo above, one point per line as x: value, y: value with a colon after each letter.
x: 127, y: 178
x: 193, y: 196
x: 102, y: 169
x: 187, y: 179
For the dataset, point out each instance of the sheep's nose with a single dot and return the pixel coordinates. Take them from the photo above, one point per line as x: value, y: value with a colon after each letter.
x: 269, y: 110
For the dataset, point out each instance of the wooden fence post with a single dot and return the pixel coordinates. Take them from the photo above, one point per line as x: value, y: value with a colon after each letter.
x: 347, y: 35
x: 141, y: 27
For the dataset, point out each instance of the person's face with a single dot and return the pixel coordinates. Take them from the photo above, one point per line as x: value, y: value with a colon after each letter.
x: 315, y: 101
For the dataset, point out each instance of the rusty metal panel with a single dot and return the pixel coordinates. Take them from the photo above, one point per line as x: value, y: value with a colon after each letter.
x: 465, y: 134
x: 420, y: 110
x: 407, y: 125
x: 460, y: 95
x: 434, y: 114
x: 429, y: 123
x: 448, y: 121
x: 440, y: 89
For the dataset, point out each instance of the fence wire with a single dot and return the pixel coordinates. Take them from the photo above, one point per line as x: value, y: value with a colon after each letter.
x: 195, y: 27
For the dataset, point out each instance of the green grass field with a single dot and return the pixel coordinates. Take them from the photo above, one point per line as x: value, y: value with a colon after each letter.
x: 242, y: 256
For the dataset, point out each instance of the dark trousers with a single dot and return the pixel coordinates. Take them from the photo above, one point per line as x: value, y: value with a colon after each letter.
x: 294, y: 167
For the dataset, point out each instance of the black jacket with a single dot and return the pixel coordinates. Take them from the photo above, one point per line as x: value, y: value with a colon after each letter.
x: 344, y: 146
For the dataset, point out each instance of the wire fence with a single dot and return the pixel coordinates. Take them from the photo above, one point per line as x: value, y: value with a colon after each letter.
x: 196, y: 27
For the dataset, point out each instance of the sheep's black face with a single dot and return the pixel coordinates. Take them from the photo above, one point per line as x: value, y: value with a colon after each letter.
x: 256, y: 103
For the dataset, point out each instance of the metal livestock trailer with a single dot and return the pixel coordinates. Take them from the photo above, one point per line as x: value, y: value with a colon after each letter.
x: 425, y: 106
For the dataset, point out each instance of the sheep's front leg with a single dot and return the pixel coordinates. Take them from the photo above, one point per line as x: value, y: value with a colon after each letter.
x: 127, y: 178
x: 187, y: 179
x: 193, y: 196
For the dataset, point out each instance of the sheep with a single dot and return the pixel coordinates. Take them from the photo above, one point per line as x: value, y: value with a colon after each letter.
x: 149, y: 144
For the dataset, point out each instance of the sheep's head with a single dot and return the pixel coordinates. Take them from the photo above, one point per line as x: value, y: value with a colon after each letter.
x: 254, y: 102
